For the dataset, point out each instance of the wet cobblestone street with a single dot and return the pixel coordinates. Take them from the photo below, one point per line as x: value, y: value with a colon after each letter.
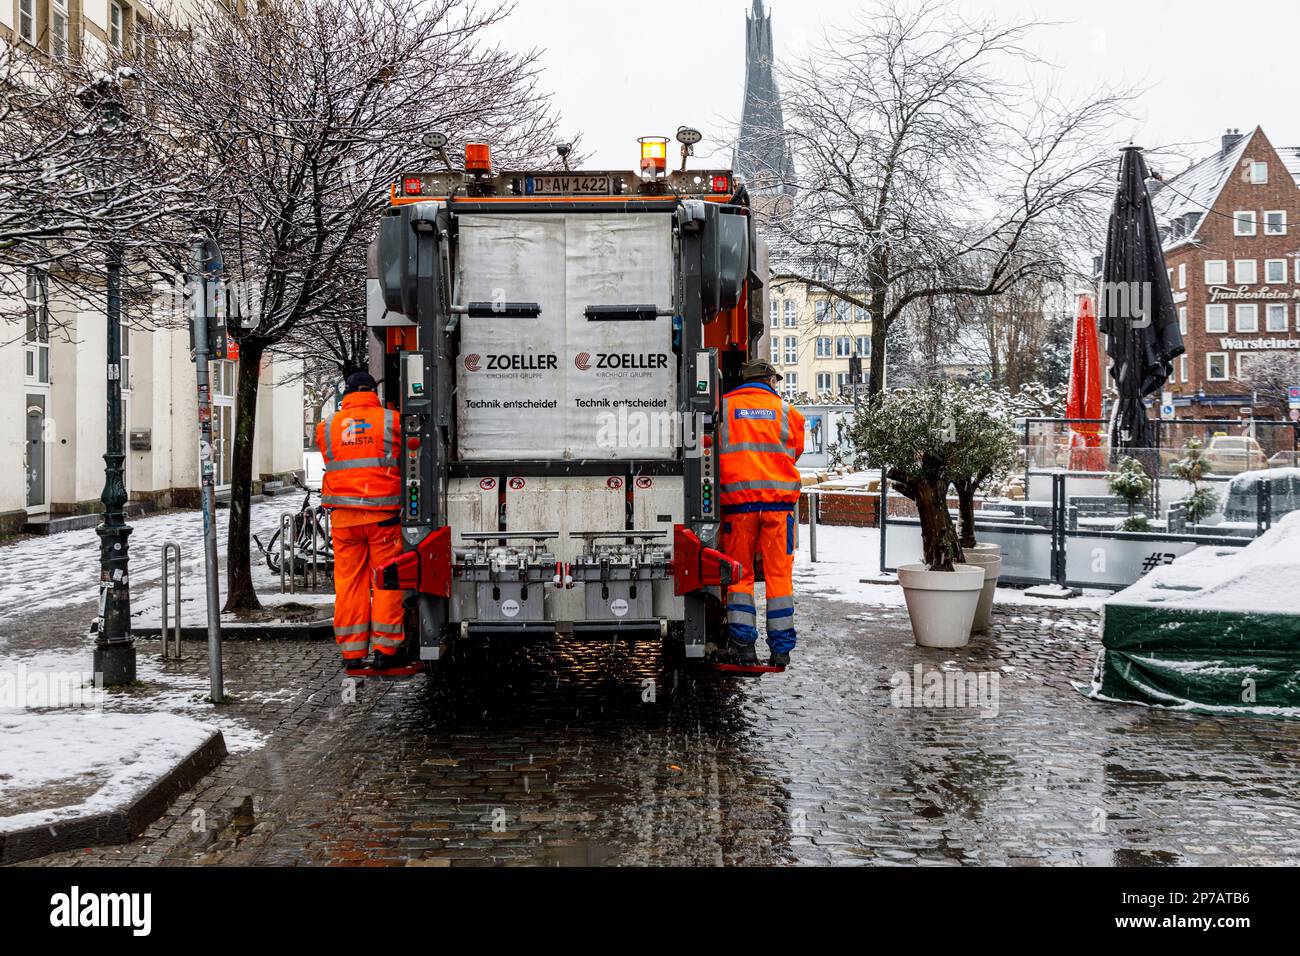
x: 597, y: 754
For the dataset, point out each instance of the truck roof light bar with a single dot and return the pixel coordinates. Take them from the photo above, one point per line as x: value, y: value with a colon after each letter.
x: 625, y: 313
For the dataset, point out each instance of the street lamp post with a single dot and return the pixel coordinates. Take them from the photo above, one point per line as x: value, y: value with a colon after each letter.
x: 114, y: 646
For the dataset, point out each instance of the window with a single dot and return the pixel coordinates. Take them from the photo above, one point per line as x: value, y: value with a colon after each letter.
x: 1274, y: 270
x: 1275, y: 318
x: 27, y: 20
x: 1243, y: 359
x: 1258, y: 173
x: 140, y: 28
x: 864, y: 345
x: 842, y: 310
x: 823, y: 346
x: 842, y: 383
x: 59, y: 28
x: 1216, y: 366
x: 1216, y: 271
x: 774, y: 311
x: 116, y: 24
x: 776, y: 350
x: 1182, y: 319
x: 791, y: 319
x: 126, y: 358
x: 791, y: 350
x: 843, y: 346
x: 1275, y: 222
x: 823, y: 382
x: 1216, y: 318
x: 1243, y: 271
x: 819, y: 310
x: 1247, y: 317
x: 36, y: 340
x: 1182, y: 275
x: 860, y: 314
x: 1243, y: 222
x: 1182, y: 368
x: 791, y: 384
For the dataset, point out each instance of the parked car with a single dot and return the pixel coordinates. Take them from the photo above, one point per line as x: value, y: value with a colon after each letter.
x: 1231, y: 454
x: 1284, y: 459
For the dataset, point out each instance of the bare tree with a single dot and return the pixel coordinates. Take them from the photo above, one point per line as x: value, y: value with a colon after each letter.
x: 923, y: 172
x: 79, y: 174
x: 297, y: 116
x: 1269, y: 375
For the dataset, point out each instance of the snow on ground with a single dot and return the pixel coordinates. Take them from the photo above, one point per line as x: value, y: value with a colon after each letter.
x: 847, y: 555
x: 48, y: 589
x: 45, y: 572
x: 59, y: 766
x: 1263, y: 577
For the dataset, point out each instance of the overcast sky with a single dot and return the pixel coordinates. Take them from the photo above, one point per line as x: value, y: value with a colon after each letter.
x: 620, y: 69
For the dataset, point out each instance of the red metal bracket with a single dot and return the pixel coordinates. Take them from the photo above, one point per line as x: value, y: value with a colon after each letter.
x: 425, y: 568
x: 695, y: 566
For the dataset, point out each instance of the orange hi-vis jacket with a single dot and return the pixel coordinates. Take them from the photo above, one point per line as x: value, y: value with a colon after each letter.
x: 360, y: 443
x: 761, y: 437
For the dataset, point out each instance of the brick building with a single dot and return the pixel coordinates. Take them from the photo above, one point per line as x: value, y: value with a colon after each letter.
x: 1231, y: 228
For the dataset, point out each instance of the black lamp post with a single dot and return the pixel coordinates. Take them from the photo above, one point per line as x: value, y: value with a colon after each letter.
x: 114, y: 646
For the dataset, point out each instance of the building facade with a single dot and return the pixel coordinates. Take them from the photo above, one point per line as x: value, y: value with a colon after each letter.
x: 1231, y: 226
x: 53, y: 354
x: 812, y: 338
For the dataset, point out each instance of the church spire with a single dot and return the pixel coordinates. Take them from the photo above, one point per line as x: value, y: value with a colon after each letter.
x: 762, y: 153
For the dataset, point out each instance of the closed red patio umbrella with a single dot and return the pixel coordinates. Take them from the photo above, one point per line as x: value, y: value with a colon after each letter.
x: 1084, y: 399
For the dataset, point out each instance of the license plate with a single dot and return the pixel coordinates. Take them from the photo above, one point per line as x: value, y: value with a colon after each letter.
x: 571, y: 186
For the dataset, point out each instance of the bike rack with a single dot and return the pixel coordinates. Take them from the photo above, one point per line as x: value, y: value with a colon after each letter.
x: 174, y: 549
x: 319, y: 516
x: 288, y: 534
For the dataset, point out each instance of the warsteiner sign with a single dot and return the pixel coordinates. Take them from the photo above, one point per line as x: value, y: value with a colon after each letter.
x: 1263, y: 345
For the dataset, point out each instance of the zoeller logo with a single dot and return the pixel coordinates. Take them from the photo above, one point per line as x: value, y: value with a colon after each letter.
x: 622, y: 360
x: 103, y: 909
x: 471, y: 362
x: 512, y: 363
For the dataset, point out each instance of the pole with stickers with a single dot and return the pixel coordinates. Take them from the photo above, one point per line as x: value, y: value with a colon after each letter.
x: 208, y: 344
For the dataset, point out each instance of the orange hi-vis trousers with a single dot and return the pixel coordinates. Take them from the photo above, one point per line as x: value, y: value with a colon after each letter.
x: 363, y: 616
x: 769, y: 534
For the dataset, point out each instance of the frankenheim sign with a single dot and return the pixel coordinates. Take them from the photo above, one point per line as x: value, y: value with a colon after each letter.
x: 1223, y: 293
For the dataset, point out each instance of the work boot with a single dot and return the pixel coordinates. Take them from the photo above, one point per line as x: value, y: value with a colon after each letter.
x: 779, y: 659
x: 739, y: 652
x: 385, y: 662
x: 355, y: 663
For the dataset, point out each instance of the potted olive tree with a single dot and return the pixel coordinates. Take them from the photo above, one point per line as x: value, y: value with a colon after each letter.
x: 911, y: 436
x: 988, y: 450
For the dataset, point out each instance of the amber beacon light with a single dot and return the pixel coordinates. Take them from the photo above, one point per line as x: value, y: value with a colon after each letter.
x: 654, y: 155
x: 478, y: 158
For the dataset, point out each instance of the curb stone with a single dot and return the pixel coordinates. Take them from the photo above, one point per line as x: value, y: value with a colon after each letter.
x: 121, y: 825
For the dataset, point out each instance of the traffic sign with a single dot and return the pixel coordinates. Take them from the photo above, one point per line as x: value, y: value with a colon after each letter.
x: 1293, y: 396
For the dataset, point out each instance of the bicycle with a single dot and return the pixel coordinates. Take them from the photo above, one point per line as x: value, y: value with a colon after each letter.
x: 301, y: 550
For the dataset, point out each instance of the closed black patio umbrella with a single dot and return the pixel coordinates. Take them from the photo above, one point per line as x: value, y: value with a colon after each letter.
x: 1137, y: 310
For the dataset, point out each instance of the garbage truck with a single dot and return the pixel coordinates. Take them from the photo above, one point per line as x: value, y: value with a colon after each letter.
x: 557, y: 343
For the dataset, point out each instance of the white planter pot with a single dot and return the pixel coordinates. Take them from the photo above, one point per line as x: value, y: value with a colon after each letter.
x: 992, y: 565
x: 941, y: 604
x: 985, y: 549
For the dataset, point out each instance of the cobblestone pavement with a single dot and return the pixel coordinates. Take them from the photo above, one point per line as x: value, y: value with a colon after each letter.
x: 592, y: 753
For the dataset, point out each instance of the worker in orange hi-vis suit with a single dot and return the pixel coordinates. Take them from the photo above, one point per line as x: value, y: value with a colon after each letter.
x: 362, y: 488
x: 760, y: 438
